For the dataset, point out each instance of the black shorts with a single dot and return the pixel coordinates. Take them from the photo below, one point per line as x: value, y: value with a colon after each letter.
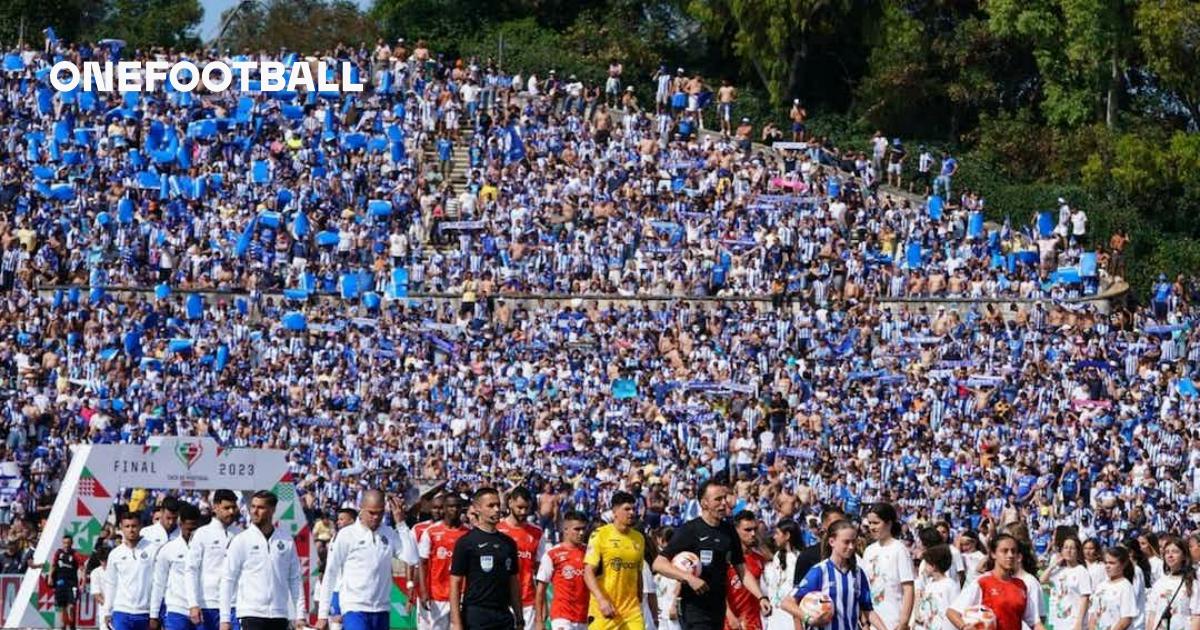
x: 479, y: 618
x: 693, y: 618
x: 64, y: 596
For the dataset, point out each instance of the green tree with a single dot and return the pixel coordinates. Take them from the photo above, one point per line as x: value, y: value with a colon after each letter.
x: 301, y: 25
x: 782, y: 40
x: 146, y: 23
x: 1168, y: 35
x: 1082, y: 48
x: 27, y: 18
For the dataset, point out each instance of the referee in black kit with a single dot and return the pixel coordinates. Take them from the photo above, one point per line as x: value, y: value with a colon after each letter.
x: 716, y: 544
x: 487, y: 560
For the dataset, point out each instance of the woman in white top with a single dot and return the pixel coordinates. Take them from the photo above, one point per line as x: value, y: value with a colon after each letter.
x: 1148, y: 543
x: 779, y: 575
x: 1114, y: 606
x: 1176, y: 588
x: 1093, y: 559
x: 1141, y: 581
x: 889, y: 568
x: 1070, y: 587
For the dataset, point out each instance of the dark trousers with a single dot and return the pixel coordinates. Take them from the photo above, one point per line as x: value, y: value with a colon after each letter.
x: 477, y: 618
x: 263, y: 623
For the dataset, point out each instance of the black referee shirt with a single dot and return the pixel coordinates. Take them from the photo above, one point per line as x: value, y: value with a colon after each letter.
x: 488, y: 561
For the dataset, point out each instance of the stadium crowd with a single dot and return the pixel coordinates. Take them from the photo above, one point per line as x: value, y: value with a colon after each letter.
x: 311, y: 218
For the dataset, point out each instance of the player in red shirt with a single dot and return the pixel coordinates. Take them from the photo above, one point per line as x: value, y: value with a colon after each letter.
x: 435, y: 511
x: 999, y: 590
x: 436, y: 547
x: 562, y: 567
x: 743, y: 611
x: 531, y: 544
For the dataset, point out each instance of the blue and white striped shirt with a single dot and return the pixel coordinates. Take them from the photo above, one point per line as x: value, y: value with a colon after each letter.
x: 849, y: 590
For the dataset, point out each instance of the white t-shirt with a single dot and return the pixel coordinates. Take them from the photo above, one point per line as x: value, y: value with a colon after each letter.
x: 1156, y: 570
x: 96, y: 587
x: 1114, y: 600
x: 935, y: 598
x: 1098, y: 573
x: 972, y: 561
x: 1079, y: 223
x: 1067, y: 586
x: 1139, y: 596
x: 1034, y: 588
x: 888, y: 567
x: 745, y: 447
x: 1181, y: 609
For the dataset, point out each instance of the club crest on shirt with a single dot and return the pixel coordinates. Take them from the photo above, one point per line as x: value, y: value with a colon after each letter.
x: 706, y: 556
x: 279, y: 545
x: 486, y: 563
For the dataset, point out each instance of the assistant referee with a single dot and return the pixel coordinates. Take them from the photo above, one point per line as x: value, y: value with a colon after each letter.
x: 487, y: 561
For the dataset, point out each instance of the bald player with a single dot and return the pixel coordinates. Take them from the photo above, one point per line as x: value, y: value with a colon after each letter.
x: 363, y: 551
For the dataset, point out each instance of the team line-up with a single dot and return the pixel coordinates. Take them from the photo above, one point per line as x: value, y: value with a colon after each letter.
x: 479, y: 563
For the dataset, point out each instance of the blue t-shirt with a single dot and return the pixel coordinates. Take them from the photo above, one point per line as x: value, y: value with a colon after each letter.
x: 444, y: 149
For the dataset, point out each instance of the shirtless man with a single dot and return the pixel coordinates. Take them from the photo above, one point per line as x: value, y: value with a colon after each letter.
x: 602, y: 121
x: 726, y: 95
x: 785, y: 503
x: 798, y: 115
x: 548, y: 507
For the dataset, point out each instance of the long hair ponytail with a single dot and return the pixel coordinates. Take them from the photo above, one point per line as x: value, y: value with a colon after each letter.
x: 830, y: 533
x: 1139, y: 559
x: 792, y: 529
x: 993, y: 546
x: 886, y: 512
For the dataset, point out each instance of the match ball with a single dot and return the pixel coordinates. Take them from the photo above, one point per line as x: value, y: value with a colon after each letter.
x: 688, y: 562
x: 817, y: 608
x: 978, y: 618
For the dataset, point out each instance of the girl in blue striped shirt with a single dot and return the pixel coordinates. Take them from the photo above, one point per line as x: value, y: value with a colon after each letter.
x: 840, y: 577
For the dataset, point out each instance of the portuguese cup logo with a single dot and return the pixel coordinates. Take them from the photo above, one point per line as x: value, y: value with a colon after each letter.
x: 189, y: 453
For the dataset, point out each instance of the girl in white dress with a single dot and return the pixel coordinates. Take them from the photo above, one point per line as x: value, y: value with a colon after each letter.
x: 779, y: 574
x: 1114, y: 605
x: 1070, y: 587
x: 889, y: 568
x: 1176, y: 587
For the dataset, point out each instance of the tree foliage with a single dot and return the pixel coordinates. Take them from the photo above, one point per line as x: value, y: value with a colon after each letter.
x: 301, y: 25
x: 146, y: 23
x: 70, y: 19
x: 1168, y: 35
x: 783, y: 41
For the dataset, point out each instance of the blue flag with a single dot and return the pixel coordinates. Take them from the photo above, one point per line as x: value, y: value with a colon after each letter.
x: 516, y: 146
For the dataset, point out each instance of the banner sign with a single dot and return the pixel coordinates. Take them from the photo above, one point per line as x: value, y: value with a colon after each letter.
x: 98, y: 471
